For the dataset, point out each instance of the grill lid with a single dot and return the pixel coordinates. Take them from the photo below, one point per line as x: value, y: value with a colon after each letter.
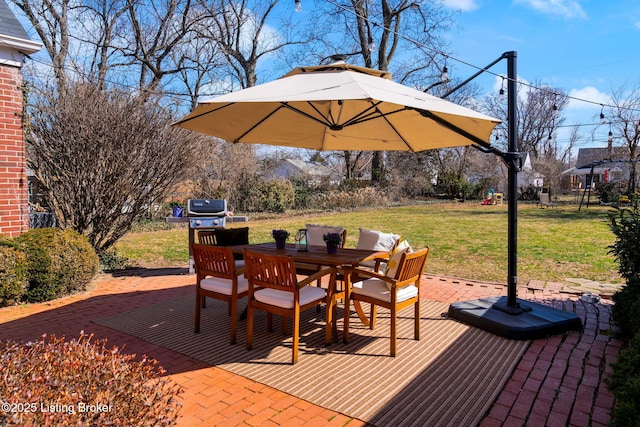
x: 207, y: 207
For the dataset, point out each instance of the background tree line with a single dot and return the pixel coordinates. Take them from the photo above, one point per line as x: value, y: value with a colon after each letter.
x: 119, y: 72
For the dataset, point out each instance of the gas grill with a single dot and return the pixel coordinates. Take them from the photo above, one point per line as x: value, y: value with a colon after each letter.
x: 206, y: 213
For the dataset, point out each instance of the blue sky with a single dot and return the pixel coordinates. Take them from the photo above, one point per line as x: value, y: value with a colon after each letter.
x: 589, y: 48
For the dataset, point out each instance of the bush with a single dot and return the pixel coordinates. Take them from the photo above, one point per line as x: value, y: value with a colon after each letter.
x: 361, y: 197
x: 608, y: 192
x: 51, y: 382
x: 256, y: 195
x: 59, y: 263
x: 13, y: 275
x: 111, y: 261
x: 624, y: 382
x: 625, y: 224
x: 626, y: 309
x: 529, y: 193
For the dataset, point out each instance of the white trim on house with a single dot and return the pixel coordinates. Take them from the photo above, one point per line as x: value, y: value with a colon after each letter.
x: 13, y: 50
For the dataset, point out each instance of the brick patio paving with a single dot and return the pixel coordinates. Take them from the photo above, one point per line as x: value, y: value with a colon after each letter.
x: 559, y: 380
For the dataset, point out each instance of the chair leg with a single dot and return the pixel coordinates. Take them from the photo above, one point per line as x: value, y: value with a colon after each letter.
x: 269, y: 322
x: 372, y: 320
x: 229, y: 308
x: 233, y: 308
x: 296, y: 335
x: 204, y: 302
x: 249, y: 325
x: 196, y: 328
x: 285, y: 325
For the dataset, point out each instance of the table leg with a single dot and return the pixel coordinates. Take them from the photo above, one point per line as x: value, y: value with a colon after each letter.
x: 331, y: 310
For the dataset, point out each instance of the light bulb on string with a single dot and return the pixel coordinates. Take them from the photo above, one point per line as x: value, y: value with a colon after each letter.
x: 602, y: 115
x: 610, y: 138
x: 371, y: 45
x: 501, y: 93
x: 298, y: 5
x: 445, y: 71
x: 555, y: 110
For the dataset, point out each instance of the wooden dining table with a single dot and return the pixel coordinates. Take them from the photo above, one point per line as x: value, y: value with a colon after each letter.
x: 318, y: 255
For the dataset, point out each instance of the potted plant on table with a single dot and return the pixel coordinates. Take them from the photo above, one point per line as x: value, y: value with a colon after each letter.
x: 280, y: 236
x: 333, y: 241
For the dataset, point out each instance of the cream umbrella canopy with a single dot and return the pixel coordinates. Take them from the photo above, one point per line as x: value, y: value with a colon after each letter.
x: 339, y: 107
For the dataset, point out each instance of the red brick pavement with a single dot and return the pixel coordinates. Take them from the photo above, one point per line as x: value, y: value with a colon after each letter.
x: 558, y: 381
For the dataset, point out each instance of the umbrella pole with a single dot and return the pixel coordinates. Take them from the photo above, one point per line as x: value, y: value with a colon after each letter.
x: 502, y: 316
x: 514, y: 163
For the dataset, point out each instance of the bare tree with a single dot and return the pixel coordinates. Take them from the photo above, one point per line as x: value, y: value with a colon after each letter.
x: 539, y: 116
x: 625, y: 123
x: 377, y: 33
x: 103, y: 157
x: 240, y: 31
x: 51, y: 21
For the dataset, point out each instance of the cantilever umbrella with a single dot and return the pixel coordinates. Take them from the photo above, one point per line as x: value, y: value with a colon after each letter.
x: 339, y: 107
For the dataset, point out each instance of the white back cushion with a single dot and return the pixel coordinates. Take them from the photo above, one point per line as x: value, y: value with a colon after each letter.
x: 376, y: 240
x: 315, y: 233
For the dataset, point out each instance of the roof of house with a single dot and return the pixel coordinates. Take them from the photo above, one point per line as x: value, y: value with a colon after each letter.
x: 9, y: 24
x: 586, y: 156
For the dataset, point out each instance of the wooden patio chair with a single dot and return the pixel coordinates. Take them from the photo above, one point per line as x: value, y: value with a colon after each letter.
x: 274, y: 288
x: 395, y: 290
x: 217, y: 276
x: 207, y: 237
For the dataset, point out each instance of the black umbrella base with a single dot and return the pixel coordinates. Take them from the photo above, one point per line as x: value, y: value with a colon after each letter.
x: 524, y: 321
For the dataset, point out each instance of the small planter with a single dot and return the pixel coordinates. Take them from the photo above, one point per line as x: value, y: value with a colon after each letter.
x: 280, y: 236
x: 177, y: 211
x: 280, y: 243
x: 331, y: 248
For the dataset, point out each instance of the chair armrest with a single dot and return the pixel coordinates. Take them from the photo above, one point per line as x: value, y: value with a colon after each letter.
x: 241, y: 270
x: 368, y: 273
x: 318, y: 275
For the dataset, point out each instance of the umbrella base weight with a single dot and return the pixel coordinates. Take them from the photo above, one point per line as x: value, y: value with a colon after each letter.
x: 518, y: 308
x: 534, y: 322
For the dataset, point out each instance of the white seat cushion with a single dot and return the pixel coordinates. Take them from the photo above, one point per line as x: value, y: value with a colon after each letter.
x: 284, y: 299
x: 377, y: 289
x: 223, y: 286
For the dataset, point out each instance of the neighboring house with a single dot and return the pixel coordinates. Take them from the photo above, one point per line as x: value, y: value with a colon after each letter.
x: 314, y: 171
x: 527, y: 177
x: 14, y: 46
x: 605, y: 168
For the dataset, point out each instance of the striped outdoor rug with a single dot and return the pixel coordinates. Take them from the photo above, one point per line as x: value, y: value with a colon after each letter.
x: 448, y: 378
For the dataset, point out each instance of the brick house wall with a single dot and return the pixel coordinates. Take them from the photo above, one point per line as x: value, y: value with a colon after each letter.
x: 14, y: 203
x: 14, y: 188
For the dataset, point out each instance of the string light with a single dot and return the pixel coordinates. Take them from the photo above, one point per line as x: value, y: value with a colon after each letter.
x: 501, y: 93
x: 555, y: 110
x: 610, y: 139
x: 370, y: 44
x: 298, y: 5
x: 602, y: 115
x: 445, y: 71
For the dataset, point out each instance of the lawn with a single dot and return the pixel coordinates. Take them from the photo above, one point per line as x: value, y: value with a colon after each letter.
x: 466, y: 240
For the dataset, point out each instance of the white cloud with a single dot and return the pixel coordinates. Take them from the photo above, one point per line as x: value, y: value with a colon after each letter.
x: 567, y: 9
x: 590, y: 94
x: 463, y: 5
